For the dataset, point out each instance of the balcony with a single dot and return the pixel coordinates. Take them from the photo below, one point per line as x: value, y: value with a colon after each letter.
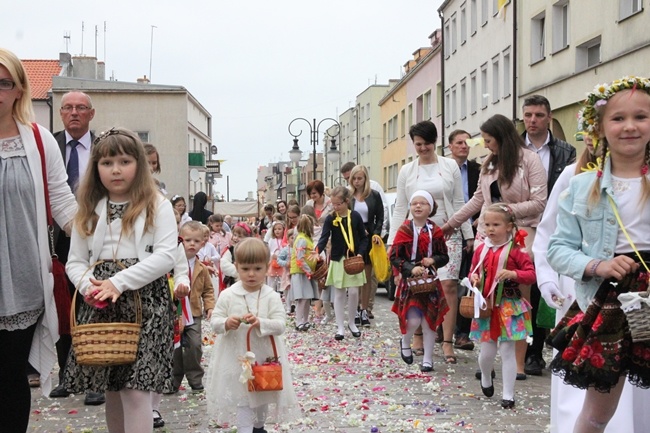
x: 196, y: 159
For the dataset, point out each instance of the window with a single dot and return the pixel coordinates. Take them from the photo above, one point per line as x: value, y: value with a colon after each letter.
x: 485, y: 12
x: 495, y: 79
x: 463, y: 99
x: 410, y: 118
x: 368, y: 146
x: 368, y: 111
x: 402, y: 124
x: 438, y: 98
x: 473, y: 17
x: 560, y: 25
x: 588, y: 54
x: 363, y: 145
x: 418, y: 109
x: 495, y: 7
x: 473, y: 93
x: 385, y: 134
x: 463, y: 24
x: 537, y: 38
x: 426, y: 106
x: 485, y: 92
x: 454, y: 34
x: 627, y: 8
x: 454, y: 108
x: 362, y: 117
x: 447, y: 40
x: 144, y: 137
x: 447, y: 107
x: 506, y: 72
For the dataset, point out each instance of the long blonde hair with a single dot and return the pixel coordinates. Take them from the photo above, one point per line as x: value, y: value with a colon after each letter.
x: 365, y: 191
x: 143, y: 194
x: 22, y: 109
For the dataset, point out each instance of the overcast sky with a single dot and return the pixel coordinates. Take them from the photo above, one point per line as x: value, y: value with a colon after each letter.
x: 254, y: 65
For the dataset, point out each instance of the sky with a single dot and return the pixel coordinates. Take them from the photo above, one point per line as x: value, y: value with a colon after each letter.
x: 254, y: 65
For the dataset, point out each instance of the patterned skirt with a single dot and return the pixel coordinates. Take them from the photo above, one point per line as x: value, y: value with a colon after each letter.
x: 514, y: 317
x: 432, y: 305
x: 595, y: 347
x: 152, y: 370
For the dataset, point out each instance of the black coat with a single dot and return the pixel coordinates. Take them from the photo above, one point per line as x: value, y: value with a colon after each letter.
x: 562, y: 154
x: 375, y: 213
x: 339, y: 248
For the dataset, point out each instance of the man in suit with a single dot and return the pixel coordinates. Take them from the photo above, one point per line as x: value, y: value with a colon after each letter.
x: 469, y: 171
x: 555, y: 155
x: 75, y: 142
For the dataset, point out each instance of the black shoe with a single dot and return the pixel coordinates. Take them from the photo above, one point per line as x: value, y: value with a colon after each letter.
x: 94, y: 398
x: 534, y: 366
x: 426, y: 367
x: 365, y: 321
x: 59, y: 392
x: 197, y: 389
x: 174, y: 390
x: 521, y: 376
x: 407, y: 359
x: 339, y: 337
x: 357, y: 318
x: 489, y: 391
x: 507, y: 404
x: 356, y: 334
x: 158, y: 420
x: 259, y: 430
x: 478, y: 374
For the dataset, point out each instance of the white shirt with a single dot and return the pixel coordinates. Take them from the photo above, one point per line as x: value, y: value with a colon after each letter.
x: 543, y: 152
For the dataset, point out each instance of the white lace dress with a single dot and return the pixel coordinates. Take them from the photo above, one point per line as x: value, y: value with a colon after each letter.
x: 224, y: 390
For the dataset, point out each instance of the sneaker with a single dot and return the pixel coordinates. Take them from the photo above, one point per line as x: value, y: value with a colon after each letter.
x: 364, y: 319
x: 534, y: 366
x: 357, y: 318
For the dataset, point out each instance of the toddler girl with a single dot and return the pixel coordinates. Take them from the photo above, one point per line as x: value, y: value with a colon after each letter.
x: 302, y: 265
x: 275, y: 243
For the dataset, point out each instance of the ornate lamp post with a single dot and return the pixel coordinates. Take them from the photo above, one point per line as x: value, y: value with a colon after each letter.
x: 332, y: 154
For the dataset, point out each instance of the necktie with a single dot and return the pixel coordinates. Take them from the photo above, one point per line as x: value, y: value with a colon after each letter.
x: 73, y: 166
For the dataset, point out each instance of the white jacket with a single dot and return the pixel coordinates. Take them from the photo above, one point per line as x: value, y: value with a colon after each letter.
x: 43, y: 355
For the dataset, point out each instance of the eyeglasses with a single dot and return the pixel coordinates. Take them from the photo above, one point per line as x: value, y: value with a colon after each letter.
x: 79, y: 108
x: 7, y: 85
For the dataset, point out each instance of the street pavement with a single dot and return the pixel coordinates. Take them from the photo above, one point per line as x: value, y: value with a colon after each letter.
x: 347, y: 387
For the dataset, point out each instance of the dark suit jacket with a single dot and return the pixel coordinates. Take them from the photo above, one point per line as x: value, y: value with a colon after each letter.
x: 62, y: 242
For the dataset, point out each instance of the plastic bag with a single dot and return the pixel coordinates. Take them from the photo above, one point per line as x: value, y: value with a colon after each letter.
x: 379, y: 259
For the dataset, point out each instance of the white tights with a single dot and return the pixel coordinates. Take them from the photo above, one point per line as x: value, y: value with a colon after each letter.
x: 339, y: 308
x: 248, y: 417
x: 415, y: 319
x: 302, y: 311
x: 508, y: 365
x: 128, y: 411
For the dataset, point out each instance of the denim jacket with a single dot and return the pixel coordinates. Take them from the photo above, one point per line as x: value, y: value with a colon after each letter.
x: 584, y: 232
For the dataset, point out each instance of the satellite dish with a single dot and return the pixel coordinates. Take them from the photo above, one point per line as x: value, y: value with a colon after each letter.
x: 213, y: 149
x: 194, y: 175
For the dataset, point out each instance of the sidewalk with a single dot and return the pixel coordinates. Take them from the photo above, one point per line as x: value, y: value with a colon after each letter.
x: 348, y: 387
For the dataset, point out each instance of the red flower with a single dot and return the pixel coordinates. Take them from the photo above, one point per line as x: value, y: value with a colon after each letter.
x: 577, y: 343
x: 597, y: 323
x: 586, y: 352
x: 597, y: 360
x: 569, y: 354
x: 597, y: 346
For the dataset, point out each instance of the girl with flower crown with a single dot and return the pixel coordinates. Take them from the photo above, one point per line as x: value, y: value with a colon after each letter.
x: 349, y: 239
x: 602, y: 241
x: 499, y: 266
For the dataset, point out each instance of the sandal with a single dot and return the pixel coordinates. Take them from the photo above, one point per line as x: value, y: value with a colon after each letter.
x: 34, y: 380
x: 450, y: 359
x: 418, y: 352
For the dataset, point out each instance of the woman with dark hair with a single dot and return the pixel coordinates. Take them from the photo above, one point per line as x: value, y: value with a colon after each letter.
x: 318, y: 200
x: 441, y: 178
x: 512, y: 175
x: 282, y: 207
x: 199, y: 213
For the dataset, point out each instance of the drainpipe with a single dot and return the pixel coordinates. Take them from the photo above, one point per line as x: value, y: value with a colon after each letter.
x: 514, y: 62
x: 442, y: 80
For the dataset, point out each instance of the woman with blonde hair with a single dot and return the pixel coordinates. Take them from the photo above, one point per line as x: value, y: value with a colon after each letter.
x: 28, y: 315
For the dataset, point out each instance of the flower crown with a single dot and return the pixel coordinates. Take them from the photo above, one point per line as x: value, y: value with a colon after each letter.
x: 588, y: 116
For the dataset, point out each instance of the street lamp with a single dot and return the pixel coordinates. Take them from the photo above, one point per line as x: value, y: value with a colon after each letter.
x: 332, y: 154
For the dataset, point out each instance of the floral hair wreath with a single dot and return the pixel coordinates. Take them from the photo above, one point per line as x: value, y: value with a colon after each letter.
x: 588, y: 116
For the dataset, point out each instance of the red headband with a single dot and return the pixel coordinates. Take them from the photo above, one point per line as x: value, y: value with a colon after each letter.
x: 245, y: 227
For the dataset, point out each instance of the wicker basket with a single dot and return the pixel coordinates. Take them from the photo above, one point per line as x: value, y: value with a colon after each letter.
x: 639, y: 320
x: 466, y: 308
x: 321, y: 270
x: 266, y: 376
x: 104, y: 344
x: 353, y: 265
x: 426, y: 283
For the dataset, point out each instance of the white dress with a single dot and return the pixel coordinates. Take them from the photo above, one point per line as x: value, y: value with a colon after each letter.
x: 224, y: 390
x: 631, y: 415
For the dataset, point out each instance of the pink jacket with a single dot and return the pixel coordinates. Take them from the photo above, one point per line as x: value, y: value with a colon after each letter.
x: 526, y: 195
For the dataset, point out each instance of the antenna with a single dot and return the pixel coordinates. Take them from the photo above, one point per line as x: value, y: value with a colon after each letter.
x: 95, y: 41
x: 82, y: 38
x: 104, y: 41
x: 151, y: 52
x: 66, y: 38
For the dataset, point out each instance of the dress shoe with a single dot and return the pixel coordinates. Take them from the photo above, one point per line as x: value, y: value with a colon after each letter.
x: 521, y: 376
x: 426, y: 367
x: 158, y: 420
x: 534, y: 366
x: 339, y: 337
x: 408, y: 359
x: 507, y: 404
x: 197, y: 389
x: 94, y: 398
x: 478, y: 374
x: 59, y: 392
x: 489, y: 391
x: 355, y: 334
x: 259, y: 430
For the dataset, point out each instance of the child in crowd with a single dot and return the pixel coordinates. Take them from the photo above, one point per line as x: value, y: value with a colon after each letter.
x: 125, y: 234
x: 499, y: 266
x: 602, y: 242
x: 187, y: 358
x: 180, y: 206
x: 349, y: 239
x: 276, y: 217
x: 293, y: 213
x: 248, y: 303
x: 154, y: 164
x: 218, y: 236
x: 239, y: 231
x: 208, y: 254
x: 323, y: 305
x: 274, y: 276
x: 284, y: 260
x: 302, y: 265
x: 419, y: 249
